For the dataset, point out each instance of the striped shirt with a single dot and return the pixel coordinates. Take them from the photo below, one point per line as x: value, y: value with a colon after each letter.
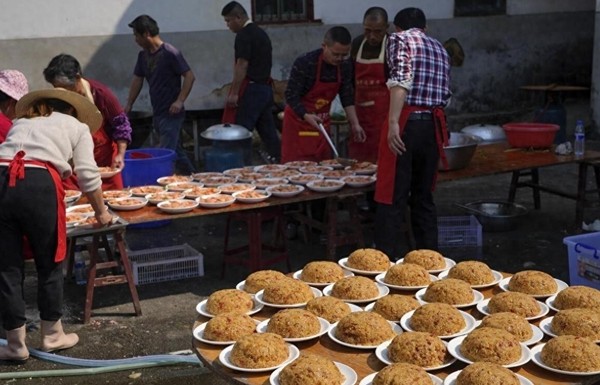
x: 421, y: 65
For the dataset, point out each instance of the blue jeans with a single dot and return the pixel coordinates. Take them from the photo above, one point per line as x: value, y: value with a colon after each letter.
x: 168, y: 128
x: 255, y: 110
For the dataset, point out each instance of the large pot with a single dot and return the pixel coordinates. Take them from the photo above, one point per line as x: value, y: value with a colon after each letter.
x: 487, y: 132
x: 459, y: 151
x: 232, y: 147
x: 226, y: 132
x: 496, y: 215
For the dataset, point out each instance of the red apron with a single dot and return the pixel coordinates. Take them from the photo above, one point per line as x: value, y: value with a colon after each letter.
x: 386, y: 163
x: 300, y: 140
x: 105, y: 150
x: 372, y: 100
x: 230, y: 112
x: 16, y: 170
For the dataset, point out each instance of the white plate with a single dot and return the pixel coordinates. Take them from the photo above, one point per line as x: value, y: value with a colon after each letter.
x: 536, y: 357
x: 259, y: 298
x: 344, y: 263
x: 285, y: 194
x: 331, y: 333
x: 216, y: 181
x: 201, y: 308
x: 497, y: 278
x: 142, y: 191
x: 469, y: 324
x: 182, y: 186
x: 325, y: 325
x: 298, y: 274
x: 263, y: 183
x: 449, y: 264
x: 283, y: 174
x: 266, y: 168
x: 477, y: 297
x: 202, y: 201
x: 189, y: 205
x: 198, y: 333
x: 114, y: 194
x: 315, y: 169
x: 200, y: 176
x: 75, y: 219
x: 250, y: 177
x: 109, y: 174
x: 368, y: 170
x: 156, y: 198
x: 225, y: 354
x: 238, y: 171
x: 333, y: 185
x: 359, y: 180
x: 239, y: 196
x: 383, y: 291
x: 454, y: 349
x: 451, y: 379
x: 350, y: 376
x: 537, y: 336
x: 379, y: 278
x: 332, y: 163
x: 201, y: 192
x: 483, y: 309
x: 336, y: 174
x: 550, y: 302
x: 72, y: 196
x: 85, y: 209
x: 230, y: 188
x: 503, y: 285
x: 303, y: 179
x: 116, y: 203
x: 300, y: 163
x: 382, y: 353
x: 165, y: 180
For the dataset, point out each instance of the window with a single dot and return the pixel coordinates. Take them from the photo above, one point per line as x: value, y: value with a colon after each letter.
x: 282, y: 11
x: 479, y: 7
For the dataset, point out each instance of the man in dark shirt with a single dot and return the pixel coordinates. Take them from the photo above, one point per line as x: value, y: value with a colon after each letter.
x: 250, y: 98
x: 316, y: 78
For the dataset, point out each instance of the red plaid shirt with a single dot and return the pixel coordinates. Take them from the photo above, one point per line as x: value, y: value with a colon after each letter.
x: 421, y: 65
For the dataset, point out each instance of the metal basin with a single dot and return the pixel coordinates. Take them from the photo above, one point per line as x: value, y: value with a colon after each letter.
x: 487, y: 132
x: 459, y: 151
x: 497, y: 215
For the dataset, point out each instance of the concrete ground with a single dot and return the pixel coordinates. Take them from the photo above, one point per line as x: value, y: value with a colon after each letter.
x: 169, y: 307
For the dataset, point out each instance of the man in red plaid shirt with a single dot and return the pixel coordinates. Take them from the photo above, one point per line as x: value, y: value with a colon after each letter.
x: 412, y: 140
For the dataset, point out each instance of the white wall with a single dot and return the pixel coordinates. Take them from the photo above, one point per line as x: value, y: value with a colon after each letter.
x: 521, y: 7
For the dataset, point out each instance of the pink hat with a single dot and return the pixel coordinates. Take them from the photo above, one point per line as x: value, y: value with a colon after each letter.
x: 13, y: 83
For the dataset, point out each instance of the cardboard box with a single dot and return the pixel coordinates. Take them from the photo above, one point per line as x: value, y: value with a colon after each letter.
x: 584, y: 259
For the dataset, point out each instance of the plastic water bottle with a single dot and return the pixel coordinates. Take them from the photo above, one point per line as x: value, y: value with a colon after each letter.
x: 579, y: 145
x: 79, y: 269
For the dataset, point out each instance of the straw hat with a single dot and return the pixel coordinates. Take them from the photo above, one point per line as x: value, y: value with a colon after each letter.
x: 86, y: 111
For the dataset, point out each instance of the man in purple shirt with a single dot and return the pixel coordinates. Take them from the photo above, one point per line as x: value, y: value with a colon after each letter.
x: 163, y: 66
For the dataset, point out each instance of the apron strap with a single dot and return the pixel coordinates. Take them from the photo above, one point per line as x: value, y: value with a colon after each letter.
x: 16, y: 168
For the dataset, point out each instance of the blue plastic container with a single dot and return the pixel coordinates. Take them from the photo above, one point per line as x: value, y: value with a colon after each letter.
x: 145, y: 165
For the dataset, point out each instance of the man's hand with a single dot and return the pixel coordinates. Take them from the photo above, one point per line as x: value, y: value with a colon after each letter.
x: 358, y: 133
x: 395, y: 143
x: 232, y: 100
x: 176, y: 107
x: 313, y: 120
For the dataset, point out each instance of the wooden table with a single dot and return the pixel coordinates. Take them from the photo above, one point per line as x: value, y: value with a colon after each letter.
x: 364, y: 362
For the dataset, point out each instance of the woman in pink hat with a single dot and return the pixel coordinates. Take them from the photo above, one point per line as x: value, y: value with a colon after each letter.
x: 13, y: 85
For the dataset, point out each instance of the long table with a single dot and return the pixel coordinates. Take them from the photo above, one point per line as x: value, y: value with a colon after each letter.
x: 364, y: 362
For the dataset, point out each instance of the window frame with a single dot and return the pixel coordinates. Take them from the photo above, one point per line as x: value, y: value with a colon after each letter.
x: 310, y: 15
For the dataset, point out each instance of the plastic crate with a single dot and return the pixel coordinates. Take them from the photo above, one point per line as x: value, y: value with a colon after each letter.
x: 459, y: 231
x: 584, y: 259
x: 166, y: 264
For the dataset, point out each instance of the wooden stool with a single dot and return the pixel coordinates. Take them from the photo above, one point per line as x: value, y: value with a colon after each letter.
x: 254, y: 220
x: 119, y: 266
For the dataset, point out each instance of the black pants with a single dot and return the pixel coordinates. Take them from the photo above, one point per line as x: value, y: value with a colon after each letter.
x: 28, y: 209
x: 416, y: 170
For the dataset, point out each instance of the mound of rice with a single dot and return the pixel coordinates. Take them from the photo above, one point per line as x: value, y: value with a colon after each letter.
x: 393, y: 306
x: 229, y: 300
x: 513, y: 323
x: 330, y: 308
x: 311, y: 369
x: 491, y: 345
x: 451, y: 291
x: 439, y: 319
x: 575, y: 354
x: 407, y: 274
x: 533, y: 282
x: 322, y: 272
x: 519, y: 303
x: 578, y: 322
x: 294, y: 323
x: 355, y: 288
x: 287, y: 291
x: 418, y: 348
x: 578, y: 296
x: 259, y: 350
x: 402, y: 374
x: 429, y: 259
x: 486, y: 373
x: 229, y: 327
x: 261, y: 279
x: 473, y: 272
x: 364, y: 328
x: 368, y: 260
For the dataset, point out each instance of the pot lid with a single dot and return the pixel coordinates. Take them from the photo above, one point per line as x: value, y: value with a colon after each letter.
x: 226, y: 132
x: 487, y: 132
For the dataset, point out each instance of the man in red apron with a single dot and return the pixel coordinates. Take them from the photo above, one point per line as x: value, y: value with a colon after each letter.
x: 316, y: 78
x: 370, y: 74
x: 413, y: 136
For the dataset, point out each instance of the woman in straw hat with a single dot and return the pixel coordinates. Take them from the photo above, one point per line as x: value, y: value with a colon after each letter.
x: 52, y: 130
x: 13, y: 85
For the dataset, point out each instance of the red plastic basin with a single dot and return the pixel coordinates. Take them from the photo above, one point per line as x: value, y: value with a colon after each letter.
x: 536, y: 135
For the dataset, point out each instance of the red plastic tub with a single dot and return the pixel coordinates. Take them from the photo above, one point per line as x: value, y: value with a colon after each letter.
x: 536, y: 135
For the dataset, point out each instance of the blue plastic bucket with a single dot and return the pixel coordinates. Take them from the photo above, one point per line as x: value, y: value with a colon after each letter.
x: 145, y: 165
